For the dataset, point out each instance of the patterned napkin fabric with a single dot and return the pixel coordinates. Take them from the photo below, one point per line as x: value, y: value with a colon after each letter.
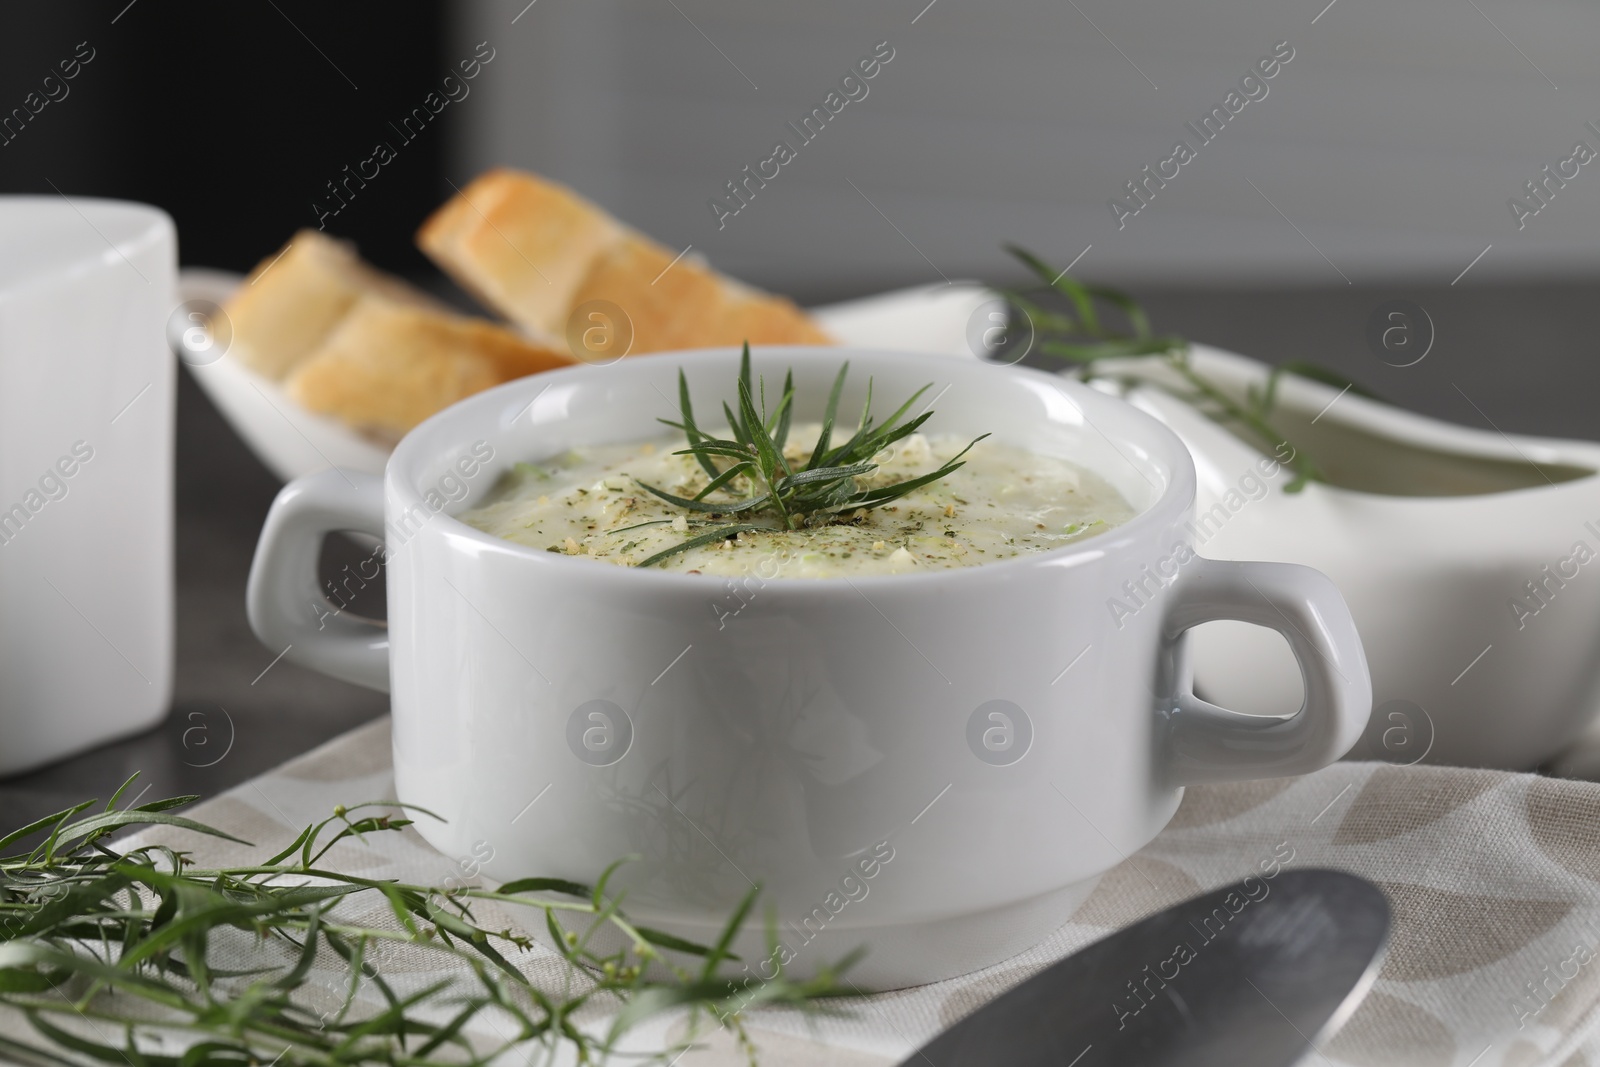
x: 1494, y: 880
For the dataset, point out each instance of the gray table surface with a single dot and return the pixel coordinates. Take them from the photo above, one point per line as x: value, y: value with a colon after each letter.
x: 1519, y: 358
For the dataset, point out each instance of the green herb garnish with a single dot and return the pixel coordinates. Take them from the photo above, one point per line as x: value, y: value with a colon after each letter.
x: 1085, y: 339
x: 752, y: 480
x: 114, y: 957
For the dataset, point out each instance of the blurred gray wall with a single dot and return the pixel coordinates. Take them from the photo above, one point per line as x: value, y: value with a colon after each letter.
x: 1386, y: 149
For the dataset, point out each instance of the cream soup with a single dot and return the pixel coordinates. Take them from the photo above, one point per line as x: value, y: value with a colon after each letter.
x: 1005, y: 502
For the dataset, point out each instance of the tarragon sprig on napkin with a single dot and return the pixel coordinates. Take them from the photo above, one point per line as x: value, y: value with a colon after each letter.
x: 117, y: 957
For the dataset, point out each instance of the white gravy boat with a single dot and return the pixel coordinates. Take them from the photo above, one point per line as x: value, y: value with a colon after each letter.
x: 1469, y: 558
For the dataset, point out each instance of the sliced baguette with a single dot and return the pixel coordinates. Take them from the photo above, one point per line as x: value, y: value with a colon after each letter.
x: 520, y: 245
x: 681, y: 308
x: 536, y: 252
x: 295, y: 298
x: 389, y: 365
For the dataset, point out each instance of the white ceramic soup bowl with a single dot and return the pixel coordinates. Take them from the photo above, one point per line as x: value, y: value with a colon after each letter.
x: 936, y: 765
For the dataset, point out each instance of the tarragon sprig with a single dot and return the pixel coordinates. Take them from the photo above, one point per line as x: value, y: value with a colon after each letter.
x: 142, y: 957
x: 1084, y: 338
x: 749, y: 477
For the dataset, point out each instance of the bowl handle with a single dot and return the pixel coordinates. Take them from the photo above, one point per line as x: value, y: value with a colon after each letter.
x: 287, y: 609
x: 1211, y: 744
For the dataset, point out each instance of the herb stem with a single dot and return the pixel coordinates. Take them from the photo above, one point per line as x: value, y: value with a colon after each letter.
x: 1086, y: 341
x: 137, y: 928
x: 823, y: 490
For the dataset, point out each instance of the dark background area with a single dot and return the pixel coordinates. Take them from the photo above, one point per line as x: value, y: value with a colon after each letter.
x: 233, y: 118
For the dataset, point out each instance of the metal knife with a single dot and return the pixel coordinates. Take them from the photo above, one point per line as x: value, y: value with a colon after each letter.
x: 1256, y: 974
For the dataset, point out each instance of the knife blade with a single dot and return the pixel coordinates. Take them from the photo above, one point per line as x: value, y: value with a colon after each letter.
x: 1256, y: 974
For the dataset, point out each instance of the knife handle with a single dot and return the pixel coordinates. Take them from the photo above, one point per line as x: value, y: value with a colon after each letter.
x: 1207, y: 743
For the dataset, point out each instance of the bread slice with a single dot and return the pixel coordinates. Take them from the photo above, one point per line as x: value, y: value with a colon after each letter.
x: 519, y: 244
x: 350, y: 341
x: 389, y: 365
x: 674, y: 312
x: 768, y: 319
x: 536, y: 252
x: 295, y: 298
